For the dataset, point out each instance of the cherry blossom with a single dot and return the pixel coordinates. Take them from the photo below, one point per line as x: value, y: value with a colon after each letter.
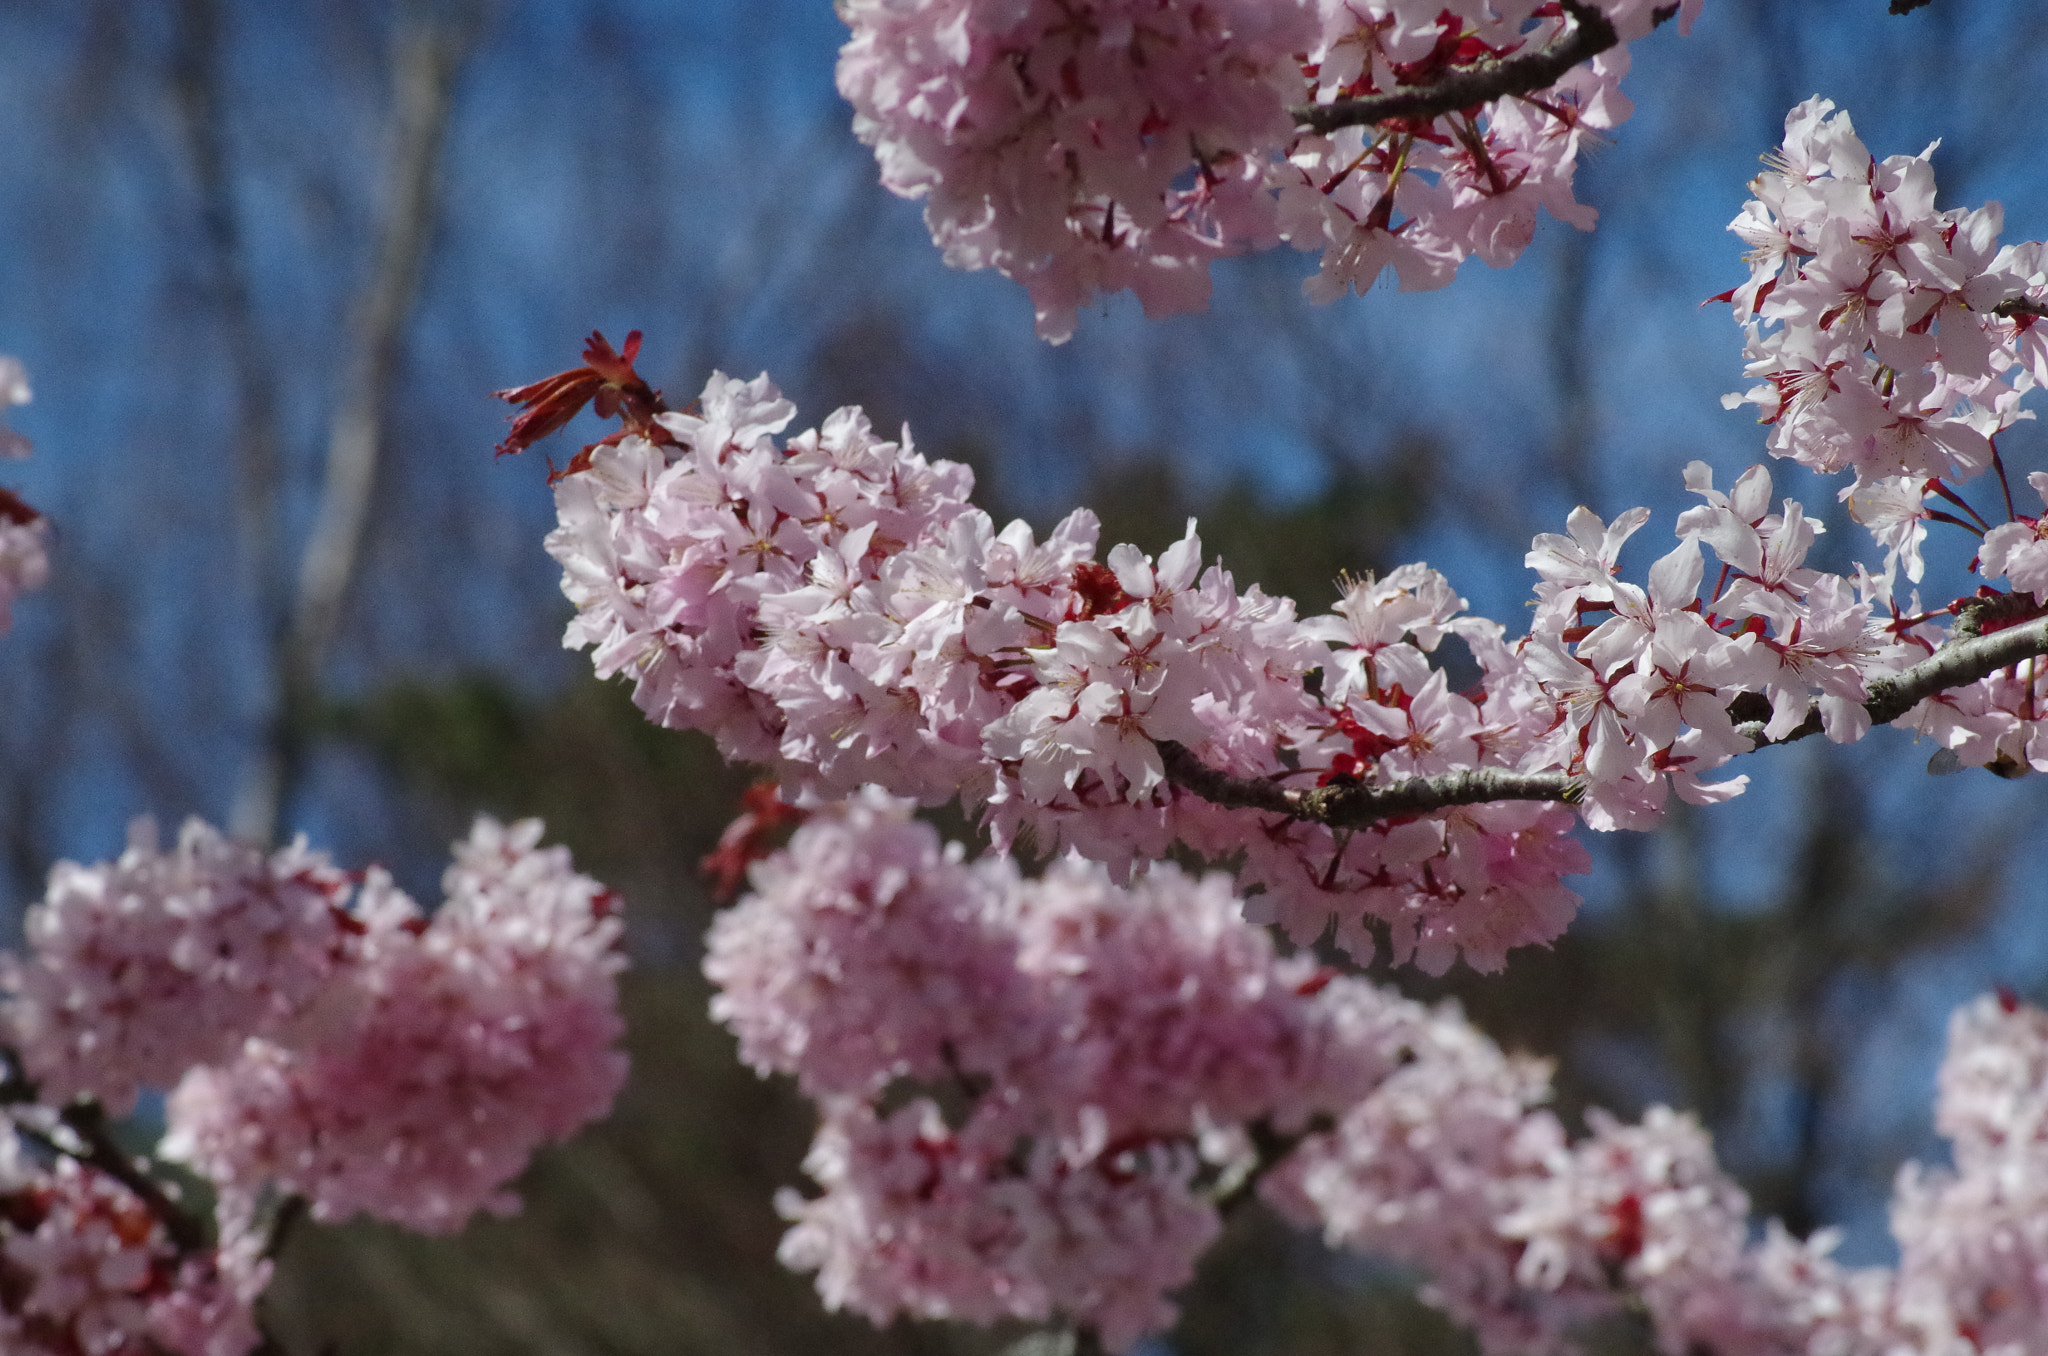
x: 1082, y: 1061
x: 90, y: 1268
x: 2017, y: 550
x: 1111, y: 145
x: 1138, y: 1058
x: 458, y: 1046
x: 24, y: 533
x: 139, y: 968
x: 323, y: 1040
x: 1879, y: 326
x: 833, y: 605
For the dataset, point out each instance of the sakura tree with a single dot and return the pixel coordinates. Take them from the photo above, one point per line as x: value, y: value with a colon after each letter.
x: 1038, y: 1096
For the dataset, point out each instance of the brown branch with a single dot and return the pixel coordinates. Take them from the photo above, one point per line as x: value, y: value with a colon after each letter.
x: 1973, y: 613
x: 1591, y: 34
x: 1269, y: 1146
x: 2017, y: 306
x: 1953, y: 665
x: 88, y: 1121
x: 1352, y: 805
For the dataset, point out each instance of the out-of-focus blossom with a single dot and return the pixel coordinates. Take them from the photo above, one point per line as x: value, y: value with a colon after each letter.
x: 457, y: 1046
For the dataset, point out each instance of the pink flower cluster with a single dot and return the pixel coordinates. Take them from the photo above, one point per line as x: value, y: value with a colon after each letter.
x: 327, y: 1042
x: 1974, y: 1238
x: 1108, y: 144
x: 453, y: 1048
x: 1034, y: 1091
x: 1896, y: 342
x: 1038, y: 1095
x: 1453, y: 1167
x: 1879, y: 329
x: 1423, y: 195
x: 833, y: 607
x: 139, y: 968
x: 836, y: 609
x: 86, y: 1267
x: 1645, y: 688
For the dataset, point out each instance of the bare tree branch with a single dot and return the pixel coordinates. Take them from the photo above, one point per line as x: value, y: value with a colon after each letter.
x: 1351, y: 805
x: 197, y: 82
x: 1591, y: 34
x: 88, y: 1122
x: 426, y: 58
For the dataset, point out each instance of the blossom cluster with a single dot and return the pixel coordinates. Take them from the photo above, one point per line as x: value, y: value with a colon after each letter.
x: 322, y: 1039
x: 1646, y: 694
x: 1894, y: 343
x: 1097, y: 145
x: 88, y: 1267
x: 139, y: 968
x: 1034, y: 1092
x: 1881, y: 329
x: 1039, y: 1096
x: 833, y: 607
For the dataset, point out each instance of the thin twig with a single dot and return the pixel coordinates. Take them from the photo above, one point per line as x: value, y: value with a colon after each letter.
x: 1349, y: 805
x: 1269, y: 1146
x: 88, y: 1121
x: 1591, y: 34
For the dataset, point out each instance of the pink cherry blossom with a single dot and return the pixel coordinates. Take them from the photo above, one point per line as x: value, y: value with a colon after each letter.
x: 90, y: 1269
x: 2018, y: 551
x: 457, y: 1047
x: 140, y: 968
x: 1109, y: 145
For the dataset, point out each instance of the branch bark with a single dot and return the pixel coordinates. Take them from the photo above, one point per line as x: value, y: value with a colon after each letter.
x: 187, y: 1232
x: 1591, y: 34
x: 1353, y: 805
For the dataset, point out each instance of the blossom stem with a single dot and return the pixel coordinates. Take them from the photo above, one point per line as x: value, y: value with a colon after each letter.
x: 88, y: 1121
x: 1965, y: 659
x: 1591, y: 34
x: 1356, y: 804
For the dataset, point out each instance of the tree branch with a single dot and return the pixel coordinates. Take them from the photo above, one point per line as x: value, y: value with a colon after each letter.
x: 88, y: 1121
x: 2015, y: 306
x: 427, y: 55
x: 1591, y: 34
x: 1353, y: 805
x: 1955, y: 664
x: 1269, y: 1146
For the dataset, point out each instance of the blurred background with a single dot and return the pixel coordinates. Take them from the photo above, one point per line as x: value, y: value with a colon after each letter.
x: 266, y: 262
